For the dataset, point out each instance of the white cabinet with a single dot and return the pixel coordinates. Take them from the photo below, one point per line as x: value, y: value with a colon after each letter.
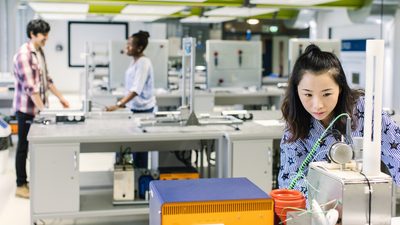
x: 253, y: 159
x: 55, y: 178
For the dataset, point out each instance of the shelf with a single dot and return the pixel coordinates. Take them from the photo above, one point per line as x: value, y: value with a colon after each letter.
x: 98, y: 203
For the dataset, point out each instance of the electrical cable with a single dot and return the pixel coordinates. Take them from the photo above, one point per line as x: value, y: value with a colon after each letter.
x: 369, y: 200
x: 307, y: 160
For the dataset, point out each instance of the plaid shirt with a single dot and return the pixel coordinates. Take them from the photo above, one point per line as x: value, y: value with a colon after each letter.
x: 29, y: 75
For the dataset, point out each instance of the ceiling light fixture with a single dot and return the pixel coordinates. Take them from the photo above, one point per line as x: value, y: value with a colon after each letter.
x: 62, y: 16
x: 252, y: 21
x: 209, y: 19
x: 172, y: 0
x: 291, y: 2
x: 136, y: 18
x: 239, y: 11
x: 59, y: 7
x: 151, y: 9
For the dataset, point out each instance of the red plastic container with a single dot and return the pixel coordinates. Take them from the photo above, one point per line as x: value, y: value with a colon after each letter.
x: 285, y: 200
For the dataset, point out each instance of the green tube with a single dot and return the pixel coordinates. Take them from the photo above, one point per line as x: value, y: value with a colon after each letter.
x: 311, y: 153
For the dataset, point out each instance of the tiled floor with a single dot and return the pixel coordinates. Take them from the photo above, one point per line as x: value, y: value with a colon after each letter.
x: 12, y: 210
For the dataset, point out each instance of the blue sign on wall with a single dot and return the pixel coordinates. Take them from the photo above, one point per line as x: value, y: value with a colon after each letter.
x: 354, y: 45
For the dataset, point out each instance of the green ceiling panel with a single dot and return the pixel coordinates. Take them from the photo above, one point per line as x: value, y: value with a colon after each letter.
x: 281, y: 14
x: 350, y: 4
x: 196, y: 8
x: 105, y: 8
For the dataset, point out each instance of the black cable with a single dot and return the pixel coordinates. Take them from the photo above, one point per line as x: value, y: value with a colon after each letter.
x: 369, y: 200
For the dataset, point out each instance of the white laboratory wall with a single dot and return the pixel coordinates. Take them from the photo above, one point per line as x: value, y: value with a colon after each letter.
x: 156, y: 30
x: 342, y: 28
x: 396, y: 60
x: 8, y: 45
x: 330, y: 18
x: 68, y: 79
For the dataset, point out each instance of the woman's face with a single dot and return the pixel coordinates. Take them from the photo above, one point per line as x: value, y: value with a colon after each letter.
x: 319, y: 95
x: 131, y: 47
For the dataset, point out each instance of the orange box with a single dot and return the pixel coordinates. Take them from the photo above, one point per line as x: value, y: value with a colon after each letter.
x: 179, y: 176
x: 14, y: 128
x: 178, y: 173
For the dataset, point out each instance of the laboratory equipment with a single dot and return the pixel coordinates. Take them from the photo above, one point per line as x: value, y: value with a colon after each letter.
x: 234, y: 201
x: 186, y: 114
x: 5, y: 132
x: 233, y: 63
x: 297, y: 46
x: 124, y: 185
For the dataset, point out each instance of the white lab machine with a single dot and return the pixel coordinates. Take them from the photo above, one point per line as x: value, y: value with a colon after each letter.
x: 235, y: 64
x: 124, y: 184
x: 352, y: 58
x: 297, y: 46
x: 362, y: 196
x: 156, y: 50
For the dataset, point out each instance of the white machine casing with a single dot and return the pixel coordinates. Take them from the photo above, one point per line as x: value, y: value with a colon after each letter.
x: 351, y: 190
x: 297, y: 46
x: 5, y: 132
x: 124, y: 186
x: 234, y: 69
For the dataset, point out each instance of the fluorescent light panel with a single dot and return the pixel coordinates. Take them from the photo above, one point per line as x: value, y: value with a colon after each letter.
x: 62, y: 16
x: 196, y: 19
x: 59, y: 7
x: 174, y: 0
x: 291, y: 2
x: 239, y: 11
x: 138, y: 18
x: 151, y: 9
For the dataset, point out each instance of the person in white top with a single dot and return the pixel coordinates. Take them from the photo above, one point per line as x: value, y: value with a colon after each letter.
x: 139, y: 85
x: 139, y: 77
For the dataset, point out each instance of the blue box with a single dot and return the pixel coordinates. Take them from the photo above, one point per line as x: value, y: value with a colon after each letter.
x: 212, y: 199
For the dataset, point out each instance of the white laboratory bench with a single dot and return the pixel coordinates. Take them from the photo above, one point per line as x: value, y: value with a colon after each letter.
x: 55, y: 149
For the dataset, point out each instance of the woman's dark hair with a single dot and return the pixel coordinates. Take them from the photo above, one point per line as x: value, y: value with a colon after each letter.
x: 37, y: 26
x: 317, y: 62
x: 142, y: 39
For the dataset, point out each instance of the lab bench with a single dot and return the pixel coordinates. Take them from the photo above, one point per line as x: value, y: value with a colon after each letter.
x: 55, y: 151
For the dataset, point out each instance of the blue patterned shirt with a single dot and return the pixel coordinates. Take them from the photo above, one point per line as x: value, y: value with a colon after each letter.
x: 294, y: 153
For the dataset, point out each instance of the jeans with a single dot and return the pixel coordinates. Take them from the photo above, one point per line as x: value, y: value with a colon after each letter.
x: 143, y: 111
x: 24, y: 124
x: 140, y: 158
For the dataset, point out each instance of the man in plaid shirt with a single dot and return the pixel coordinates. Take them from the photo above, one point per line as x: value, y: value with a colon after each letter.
x: 32, y: 83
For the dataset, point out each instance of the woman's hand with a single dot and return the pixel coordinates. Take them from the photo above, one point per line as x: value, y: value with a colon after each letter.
x: 64, y: 102
x: 111, y: 108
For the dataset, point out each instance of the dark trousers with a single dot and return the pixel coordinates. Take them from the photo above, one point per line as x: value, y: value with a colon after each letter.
x: 140, y: 158
x: 24, y: 123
